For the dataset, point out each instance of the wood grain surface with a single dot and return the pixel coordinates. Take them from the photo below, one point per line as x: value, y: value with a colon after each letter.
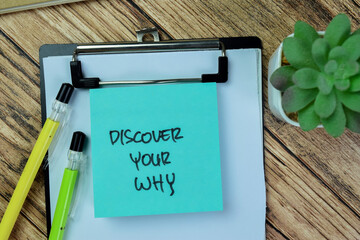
x: 312, y: 179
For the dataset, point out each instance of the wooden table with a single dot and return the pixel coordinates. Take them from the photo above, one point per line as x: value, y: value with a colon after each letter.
x: 312, y: 179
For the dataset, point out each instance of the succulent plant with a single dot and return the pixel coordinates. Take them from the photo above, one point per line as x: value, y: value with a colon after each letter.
x: 322, y: 82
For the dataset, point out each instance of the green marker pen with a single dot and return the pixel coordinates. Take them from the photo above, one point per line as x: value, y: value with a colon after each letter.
x: 75, y: 157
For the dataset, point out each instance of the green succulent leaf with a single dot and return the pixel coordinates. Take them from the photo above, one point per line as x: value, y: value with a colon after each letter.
x: 352, y: 46
x: 331, y: 67
x: 281, y: 78
x: 339, y: 54
x: 305, y: 32
x: 324, y: 83
x: 308, y: 119
x: 351, y: 68
x: 335, y: 124
x: 350, y: 99
x: 325, y: 104
x: 298, y: 53
x: 306, y: 78
x: 342, y: 84
x: 356, y: 32
x: 338, y: 30
x: 346, y: 70
x: 295, y: 98
x: 352, y: 120
x: 320, y: 52
x: 355, y: 83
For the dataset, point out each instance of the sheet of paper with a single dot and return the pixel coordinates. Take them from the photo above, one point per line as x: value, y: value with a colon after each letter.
x: 241, y: 146
x: 155, y: 149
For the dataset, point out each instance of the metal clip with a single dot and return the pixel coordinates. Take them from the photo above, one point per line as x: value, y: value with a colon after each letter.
x: 152, y: 31
x: 79, y: 81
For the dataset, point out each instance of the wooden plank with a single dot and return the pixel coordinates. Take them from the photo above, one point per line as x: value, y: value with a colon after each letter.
x: 298, y: 204
x: 273, y: 234
x: 23, y: 229
x: 84, y: 22
x: 271, y: 21
x: 19, y: 128
x: 334, y: 161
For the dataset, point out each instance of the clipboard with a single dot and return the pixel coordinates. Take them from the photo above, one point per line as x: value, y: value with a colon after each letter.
x: 240, y: 125
x: 8, y: 6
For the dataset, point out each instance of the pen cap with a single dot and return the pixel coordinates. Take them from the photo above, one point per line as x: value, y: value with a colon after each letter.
x: 77, y: 141
x: 65, y: 93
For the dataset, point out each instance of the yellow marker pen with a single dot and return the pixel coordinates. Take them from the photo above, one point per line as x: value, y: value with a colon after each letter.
x: 59, y: 110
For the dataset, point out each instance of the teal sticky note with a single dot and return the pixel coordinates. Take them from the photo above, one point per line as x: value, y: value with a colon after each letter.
x: 155, y: 149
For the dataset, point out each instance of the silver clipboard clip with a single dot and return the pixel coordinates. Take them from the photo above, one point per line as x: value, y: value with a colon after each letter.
x: 79, y: 81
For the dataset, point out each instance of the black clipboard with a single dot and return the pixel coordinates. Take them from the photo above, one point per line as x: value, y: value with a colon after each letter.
x: 56, y: 50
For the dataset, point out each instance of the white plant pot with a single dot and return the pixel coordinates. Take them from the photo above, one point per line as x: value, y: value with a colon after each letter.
x: 274, y: 95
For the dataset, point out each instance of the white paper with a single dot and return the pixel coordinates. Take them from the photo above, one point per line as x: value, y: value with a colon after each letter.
x: 241, y: 145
